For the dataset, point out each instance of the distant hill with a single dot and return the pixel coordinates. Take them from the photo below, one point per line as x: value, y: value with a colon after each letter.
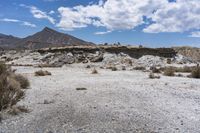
x: 8, y: 41
x: 49, y: 38
x: 43, y: 39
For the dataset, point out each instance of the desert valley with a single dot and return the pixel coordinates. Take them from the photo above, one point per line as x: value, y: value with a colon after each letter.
x: 70, y: 85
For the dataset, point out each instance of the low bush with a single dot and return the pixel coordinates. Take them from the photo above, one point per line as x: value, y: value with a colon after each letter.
x: 42, y: 73
x: 10, y: 87
x: 169, y: 71
x: 139, y: 68
x: 114, y: 68
x: 24, y: 82
x: 153, y: 76
x: 195, y: 72
x: 155, y: 70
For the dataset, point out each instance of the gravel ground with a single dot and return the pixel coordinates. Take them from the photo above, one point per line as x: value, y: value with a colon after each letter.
x: 114, y: 102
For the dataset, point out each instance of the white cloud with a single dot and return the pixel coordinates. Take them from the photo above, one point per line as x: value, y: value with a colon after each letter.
x: 112, y: 14
x: 28, y: 24
x: 25, y: 23
x: 10, y: 20
x: 51, y: 12
x: 180, y: 16
x: 38, y: 13
x: 195, y: 34
x: 102, y: 32
x: 165, y: 16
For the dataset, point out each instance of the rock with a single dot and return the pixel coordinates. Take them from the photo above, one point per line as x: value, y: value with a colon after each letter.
x: 98, y: 58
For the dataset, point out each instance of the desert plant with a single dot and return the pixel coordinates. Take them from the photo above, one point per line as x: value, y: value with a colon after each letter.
x: 3, y: 68
x: 124, y: 68
x: 24, y: 82
x: 169, y: 71
x: 94, y: 71
x: 155, y: 70
x: 169, y: 61
x: 114, y: 68
x: 153, y: 76
x: 139, y: 68
x: 195, y: 72
x: 42, y: 73
x: 10, y: 87
x: 10, y: 92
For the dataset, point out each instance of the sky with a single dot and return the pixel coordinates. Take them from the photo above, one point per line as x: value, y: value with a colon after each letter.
x: 152, y: 23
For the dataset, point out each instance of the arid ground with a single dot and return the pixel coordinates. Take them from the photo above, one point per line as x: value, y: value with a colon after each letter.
x: 113, y: 101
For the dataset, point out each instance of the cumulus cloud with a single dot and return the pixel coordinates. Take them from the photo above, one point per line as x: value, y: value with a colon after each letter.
x: 179, y: 16
x: 25, y: 23
x: 156, y: 15
x: 195, y: 34
x: 112, y: 14
x: 38, y: 13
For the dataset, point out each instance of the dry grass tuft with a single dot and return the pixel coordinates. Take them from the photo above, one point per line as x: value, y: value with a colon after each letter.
x: 24, y: 82
x: 15, y: 110
x: 153, y: 76
x: 196, y: 72
x: 42, y: 73
x: 94, y: 71
x: 155, y: 70
x: 169, y: 71
x: 114, y: 68
x: 10, y: 87
x: 139, y: 68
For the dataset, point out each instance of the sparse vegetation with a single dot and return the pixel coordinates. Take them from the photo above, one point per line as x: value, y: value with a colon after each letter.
x: 155, y: 70
x: 15, y: 110
x: 153, y: 76
x: 169, y: 71
x: 24, y: 82
x: 169, y: 61
x: 195, y: 72
x: 123, y: 68
x: 94, y: 71
x: 114, y: 68
x: 139, y: 68
x: 42, y: 73
x: 78, y: 89
x: 10, y: 87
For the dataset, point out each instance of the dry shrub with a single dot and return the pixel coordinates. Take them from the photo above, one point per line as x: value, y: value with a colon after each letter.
x: 80, y: 89
x: 42, y: 73
x: 24, y: 82
x: 94, y: 71
x: 123, y: 68
x: 169, y: 71
x: 139, y: 68
x: 155, y: 70
x: 195, y: 72
x: 153, y: 76
x: 3, y: 68
x: 15, y: 110
x: 10, y: 90
x: 114, y: 68
x: 185, y: 69
x: 169, y: 61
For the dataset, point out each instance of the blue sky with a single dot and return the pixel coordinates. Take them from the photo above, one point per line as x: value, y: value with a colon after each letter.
x: 153, y: 23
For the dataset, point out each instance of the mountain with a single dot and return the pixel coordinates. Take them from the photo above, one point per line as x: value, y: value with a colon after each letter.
x: 8, y: 41
x: 49, y: 38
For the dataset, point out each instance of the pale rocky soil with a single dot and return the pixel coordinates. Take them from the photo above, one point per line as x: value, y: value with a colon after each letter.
x: 114, y: 102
